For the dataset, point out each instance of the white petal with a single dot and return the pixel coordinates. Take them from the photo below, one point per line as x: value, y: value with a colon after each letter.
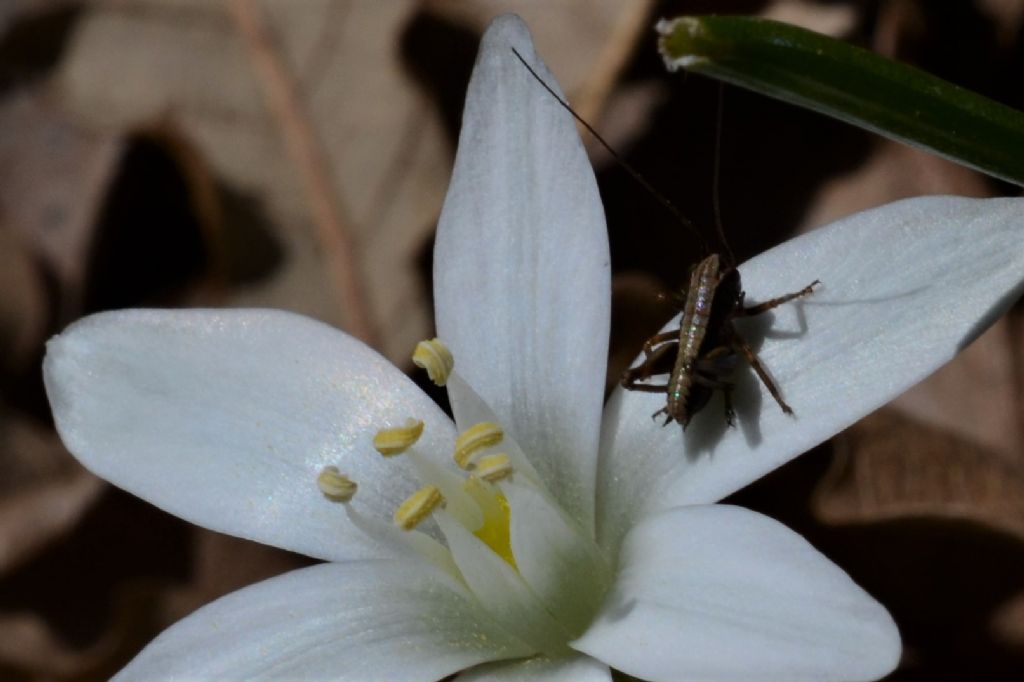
x: 539, y: 669
x: 366, y: 620
x: 502, y: 591
x: 904, y: 288
x: 521, y: 274
x: 225, y: 418
x: 722, y: 593
x: 557, y: 559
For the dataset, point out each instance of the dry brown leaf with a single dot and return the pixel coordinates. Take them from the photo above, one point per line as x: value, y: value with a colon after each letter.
x: 1008, y: 622
x: 975, y: 396
x: 1007, y: 16
x: 30, y: 454
x: 23, y: 309
x: 13, y: 10
x: 27, y: 643
x: 381, y: 134
x: 43, y: 490
x: 53, y: 174
x: 366, y: 111
x: 892, y: 171
x: 34, y: 649
x: 224, y: 564
x: 35, y: 517
x: 889, y: 466
x: 835, y: 19
x: 385, y: 145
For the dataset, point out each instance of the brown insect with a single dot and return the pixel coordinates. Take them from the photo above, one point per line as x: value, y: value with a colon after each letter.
x: 700, y: 356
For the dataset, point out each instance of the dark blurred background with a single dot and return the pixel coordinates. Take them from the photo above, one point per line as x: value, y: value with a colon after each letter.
x: 175, y: 153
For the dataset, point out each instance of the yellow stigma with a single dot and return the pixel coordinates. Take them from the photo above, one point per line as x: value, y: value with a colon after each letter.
x: 335, y: 485
x: 434, y: 357
x: 418, y: 507
x: 395, y: 441
x: 474, y: 439
x: 495, y: 531
x: 493, y: 468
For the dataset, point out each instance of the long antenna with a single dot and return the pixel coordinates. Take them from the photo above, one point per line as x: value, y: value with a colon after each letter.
x: 618, y: 159
x: 716, y: 175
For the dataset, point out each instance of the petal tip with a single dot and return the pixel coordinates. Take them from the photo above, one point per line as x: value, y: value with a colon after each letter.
x: 507, y: 30
x: 58, y: 362
x: 888, y: 650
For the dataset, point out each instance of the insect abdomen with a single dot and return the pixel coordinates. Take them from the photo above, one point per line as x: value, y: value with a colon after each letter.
x: 692, y: 328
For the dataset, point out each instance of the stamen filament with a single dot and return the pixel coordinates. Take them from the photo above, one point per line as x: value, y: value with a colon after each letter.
x: 420, y: 543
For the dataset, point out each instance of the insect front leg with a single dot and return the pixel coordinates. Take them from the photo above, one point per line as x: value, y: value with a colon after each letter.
x: 658, y: 360
x: 632, y: 385
x: 658, y: 340
x: 776, y: 302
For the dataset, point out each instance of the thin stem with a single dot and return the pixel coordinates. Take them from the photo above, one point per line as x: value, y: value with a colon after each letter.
x: 306, y: 152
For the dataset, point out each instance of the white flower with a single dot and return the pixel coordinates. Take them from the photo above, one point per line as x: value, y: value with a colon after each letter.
x: 610, y: 551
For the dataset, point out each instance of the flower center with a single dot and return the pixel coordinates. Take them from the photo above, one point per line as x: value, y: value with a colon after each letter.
x: 470, y: 494
x: 545, y: 596
x: 490, y: 519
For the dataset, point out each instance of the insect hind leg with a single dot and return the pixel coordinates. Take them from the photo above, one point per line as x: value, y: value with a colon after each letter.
x: 633, y: 385
x: 750, y: 356
x: 656, y: 352
x: 708, y: 375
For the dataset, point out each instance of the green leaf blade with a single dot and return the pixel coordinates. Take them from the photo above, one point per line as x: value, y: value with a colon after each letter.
x: 852, y: 84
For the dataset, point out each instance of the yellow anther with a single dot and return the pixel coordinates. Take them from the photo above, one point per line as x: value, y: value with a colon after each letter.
x: 434, y: 357
x: 418, y: 506
x: 335, y: 485
x: 493, y: 468
x: 395, y: 441
x: 474, y: 439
